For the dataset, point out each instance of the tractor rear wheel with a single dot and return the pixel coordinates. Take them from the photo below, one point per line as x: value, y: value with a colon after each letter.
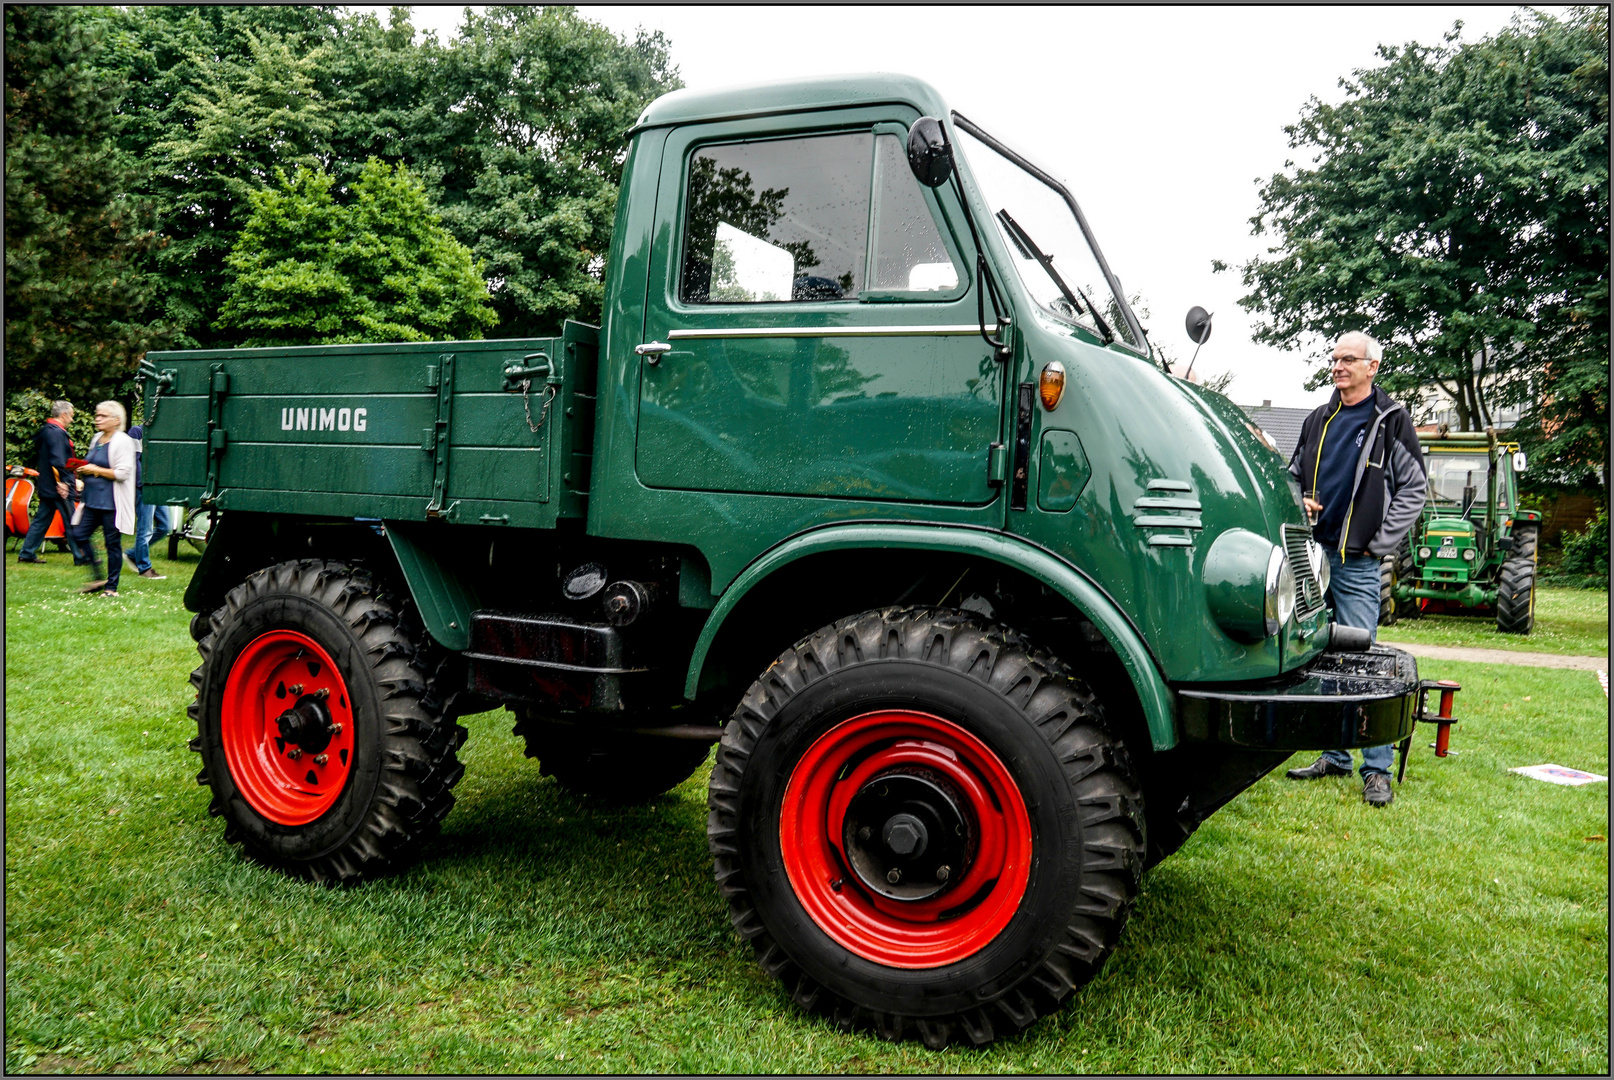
x: 614, y: 767
x: 1387, y: 607
x: 1406, y: 571
x: 325, y: 753
x: 1516, y: 595
x: 925, y: 827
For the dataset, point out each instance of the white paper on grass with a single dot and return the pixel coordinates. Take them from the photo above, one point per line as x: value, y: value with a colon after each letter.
x: 1558, y: 774
x: 747, y: 269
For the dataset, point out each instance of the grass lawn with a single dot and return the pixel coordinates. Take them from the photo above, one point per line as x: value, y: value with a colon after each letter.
x: 1569, y: 621
x: 1463, y: 929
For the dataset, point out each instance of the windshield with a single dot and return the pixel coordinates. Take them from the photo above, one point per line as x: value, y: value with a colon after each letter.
x: 1034, y: 220
x: 1450, y: 473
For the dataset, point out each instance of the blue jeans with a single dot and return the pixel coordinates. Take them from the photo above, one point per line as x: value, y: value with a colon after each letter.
x: 1353, y: 593
x: 49, y: 506
x: 147, y: 519
x: 106, y: 521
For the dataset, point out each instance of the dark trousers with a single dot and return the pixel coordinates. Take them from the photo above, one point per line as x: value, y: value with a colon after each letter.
x: 49, y: 506
x: 108, y: 521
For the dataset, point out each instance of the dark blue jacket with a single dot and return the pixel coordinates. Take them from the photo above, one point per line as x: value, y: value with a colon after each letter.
x: 54, y: 448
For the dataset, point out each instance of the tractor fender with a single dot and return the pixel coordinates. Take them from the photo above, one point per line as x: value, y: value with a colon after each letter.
x: 1159, y: 704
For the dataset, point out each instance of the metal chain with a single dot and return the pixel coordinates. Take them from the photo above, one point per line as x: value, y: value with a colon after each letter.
x: 526, y: 405
x: 156, y: 400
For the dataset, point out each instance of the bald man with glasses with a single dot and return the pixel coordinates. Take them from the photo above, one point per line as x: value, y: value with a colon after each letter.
x: 1362, y: 481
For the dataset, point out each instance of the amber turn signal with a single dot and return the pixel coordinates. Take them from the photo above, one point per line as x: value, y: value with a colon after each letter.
x: 1051, y: 386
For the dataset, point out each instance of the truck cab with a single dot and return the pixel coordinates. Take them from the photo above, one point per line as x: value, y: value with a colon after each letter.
x: 871, y: 475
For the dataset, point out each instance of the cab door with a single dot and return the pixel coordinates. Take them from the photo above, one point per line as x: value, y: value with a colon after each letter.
x: 810, y: 329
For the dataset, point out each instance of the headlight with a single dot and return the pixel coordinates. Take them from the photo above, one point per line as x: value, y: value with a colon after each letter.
x: 1469, y: 554
x: 1325, y: 572
x: 1280, y: 603
x: 1423, y: 553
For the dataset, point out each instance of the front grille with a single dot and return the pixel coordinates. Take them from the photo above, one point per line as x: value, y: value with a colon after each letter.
x: 1308, y: 590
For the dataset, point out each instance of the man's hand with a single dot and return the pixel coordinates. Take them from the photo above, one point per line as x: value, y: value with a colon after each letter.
x: 1313, y: 507
x: 61, y: 488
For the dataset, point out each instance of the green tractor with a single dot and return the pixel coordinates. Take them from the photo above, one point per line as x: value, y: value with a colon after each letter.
x: 1473, y: 550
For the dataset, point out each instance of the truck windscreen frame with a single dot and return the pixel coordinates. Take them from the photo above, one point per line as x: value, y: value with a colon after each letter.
x: 1136, y: 327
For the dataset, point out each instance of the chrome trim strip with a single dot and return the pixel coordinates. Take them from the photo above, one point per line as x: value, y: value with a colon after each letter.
x: 1168, y: 523
x: 1170, y: 540
x: 1146, y: 503
x: 821, y: 331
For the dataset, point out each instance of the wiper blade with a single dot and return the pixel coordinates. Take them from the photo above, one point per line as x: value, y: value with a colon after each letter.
x: 1029, y: 248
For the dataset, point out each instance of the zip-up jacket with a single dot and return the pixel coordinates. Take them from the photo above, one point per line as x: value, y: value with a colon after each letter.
x: 1389, y: 487
x: 52, y: 448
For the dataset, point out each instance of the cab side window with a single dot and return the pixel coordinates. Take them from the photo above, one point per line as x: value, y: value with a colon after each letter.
x: 790, y: 220
x: 785, y: 219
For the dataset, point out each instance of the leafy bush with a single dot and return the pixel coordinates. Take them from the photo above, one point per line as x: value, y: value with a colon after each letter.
x: 1586, y: 553
x: 309, y: 270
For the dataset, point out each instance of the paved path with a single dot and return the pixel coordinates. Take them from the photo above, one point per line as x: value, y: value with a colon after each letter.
x: 1503, y: 656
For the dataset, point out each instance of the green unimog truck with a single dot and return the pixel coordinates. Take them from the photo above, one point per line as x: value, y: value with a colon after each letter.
x: 1473, y: 550
x: 870, y: 476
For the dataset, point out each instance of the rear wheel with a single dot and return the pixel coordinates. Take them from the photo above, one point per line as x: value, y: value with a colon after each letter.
x: 1516, y: 595
x: 924, y: 826
x: 324, y: 752
x: 1387, y: 607
x: 611, y: 766
x: 1406, y: 573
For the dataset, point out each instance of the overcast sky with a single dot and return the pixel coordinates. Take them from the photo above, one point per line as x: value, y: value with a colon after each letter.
x: 1160, y: 120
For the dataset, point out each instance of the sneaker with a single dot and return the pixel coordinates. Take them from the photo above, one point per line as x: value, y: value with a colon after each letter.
x: 1376, y: 790
x: 92, y: 586
x: 30, y: 562
x: 152, y: 575
x: 1317, y: 770
x: 109, y: 592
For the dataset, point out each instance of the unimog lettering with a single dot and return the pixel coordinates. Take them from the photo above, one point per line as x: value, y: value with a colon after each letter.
x: 849, y: 485
x: 320, y: 419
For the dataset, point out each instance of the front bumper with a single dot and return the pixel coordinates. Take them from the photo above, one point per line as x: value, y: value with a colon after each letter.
x: 1341, y: 700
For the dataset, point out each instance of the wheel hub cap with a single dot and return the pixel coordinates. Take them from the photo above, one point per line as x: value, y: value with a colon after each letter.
x: 906, y: 835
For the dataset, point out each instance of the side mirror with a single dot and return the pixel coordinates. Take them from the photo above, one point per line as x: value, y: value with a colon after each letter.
x: 1199, y: 325
x: 929, y: 156
x: 1518, y: 461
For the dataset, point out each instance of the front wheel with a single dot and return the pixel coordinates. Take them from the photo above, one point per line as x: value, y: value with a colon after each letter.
x: 924, y: 826
x: 324, y: 752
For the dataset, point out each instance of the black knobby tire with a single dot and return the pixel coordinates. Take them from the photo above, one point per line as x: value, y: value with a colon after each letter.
x: 1084, y: 806
x: 1387, y: 606
x: 1526, y: 538
x: 1406, y: 571
x: 614, y: 767
x: 1516, y: 595
x: 404, y: 764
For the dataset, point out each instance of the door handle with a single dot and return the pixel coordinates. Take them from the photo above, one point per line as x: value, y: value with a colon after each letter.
x: 652, y: 350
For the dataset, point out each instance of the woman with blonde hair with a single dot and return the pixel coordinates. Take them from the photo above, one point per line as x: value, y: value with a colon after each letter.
x: 109, y: 495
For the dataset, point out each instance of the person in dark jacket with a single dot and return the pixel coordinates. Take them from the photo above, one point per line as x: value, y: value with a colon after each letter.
x: 53, y: 447
x: 1362, y: 481
x: 151, y: 522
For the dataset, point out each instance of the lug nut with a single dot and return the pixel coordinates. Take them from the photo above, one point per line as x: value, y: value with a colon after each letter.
x: 893, y: 876
x: 297, y: 689
x: 294, y: 752
x: 322, y: 693
x: 865, y: 833
x: 943, y: 872
x: 320, y: 759
x: 335, y: 730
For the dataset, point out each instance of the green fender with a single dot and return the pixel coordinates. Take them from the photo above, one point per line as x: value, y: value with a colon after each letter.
x: 1159, y: 708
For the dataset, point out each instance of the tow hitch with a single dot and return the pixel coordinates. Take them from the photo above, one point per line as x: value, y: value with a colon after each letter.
x: 1443, y: 720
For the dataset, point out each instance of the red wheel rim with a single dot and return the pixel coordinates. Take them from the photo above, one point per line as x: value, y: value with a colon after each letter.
x: 287, y: 782
x: 848, y: 761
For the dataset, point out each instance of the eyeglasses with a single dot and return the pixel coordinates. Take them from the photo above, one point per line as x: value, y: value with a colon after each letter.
x: 1347, y: 359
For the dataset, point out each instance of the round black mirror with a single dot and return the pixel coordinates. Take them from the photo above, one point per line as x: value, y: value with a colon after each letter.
x: 1199, y: 325
x: 929, y: 156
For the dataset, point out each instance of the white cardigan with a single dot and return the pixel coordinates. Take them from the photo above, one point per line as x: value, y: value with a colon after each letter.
x: 120, y: 453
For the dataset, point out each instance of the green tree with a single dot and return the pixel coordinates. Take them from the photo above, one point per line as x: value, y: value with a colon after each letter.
x: 1456, y: 207
x: 307, y: 270
x: 73, y: 233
